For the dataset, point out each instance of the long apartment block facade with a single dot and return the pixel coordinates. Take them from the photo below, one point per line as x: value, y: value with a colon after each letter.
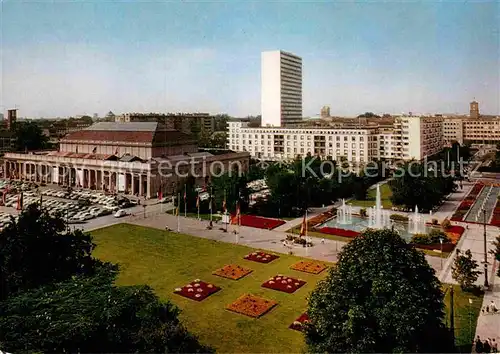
x: 475, y: 131
x: 407, y: 139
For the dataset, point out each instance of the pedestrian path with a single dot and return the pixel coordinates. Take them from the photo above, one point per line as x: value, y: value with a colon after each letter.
x: 488, y: 324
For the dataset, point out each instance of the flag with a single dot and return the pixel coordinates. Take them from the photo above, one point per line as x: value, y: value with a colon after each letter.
x: 184, y: 195
x: 18, y: 207
x: 177, y: 211
x: 303, y: 228
x: 198, y: 201
x: 160, y: 195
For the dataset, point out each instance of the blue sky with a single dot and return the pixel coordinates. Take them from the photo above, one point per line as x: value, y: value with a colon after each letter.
x: 63, y: 58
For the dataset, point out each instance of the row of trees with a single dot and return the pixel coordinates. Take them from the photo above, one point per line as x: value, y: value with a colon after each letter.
x: 420, y: 184
x: 56, y: 297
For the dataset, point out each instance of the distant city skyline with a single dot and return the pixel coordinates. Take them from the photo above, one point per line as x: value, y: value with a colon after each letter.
x: 74, y: 58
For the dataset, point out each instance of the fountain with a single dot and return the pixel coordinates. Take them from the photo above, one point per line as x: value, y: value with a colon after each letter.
x: 378, y: 218
x: 344, y: 214
x: 416, y: 222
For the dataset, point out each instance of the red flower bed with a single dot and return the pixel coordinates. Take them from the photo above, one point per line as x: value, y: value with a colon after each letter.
x: 339, y: 232
x: 197, y: 290
x: 258, y: 222
x: 456, y: 229
x: 283, y: 283
x: 495, y: 219
x: 298, y: 324
x: 261, y: 257
x: 447, y: 247
x: 467, y: 203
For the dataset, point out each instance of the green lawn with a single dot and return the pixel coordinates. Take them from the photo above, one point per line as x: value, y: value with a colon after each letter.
x: 166, y: 260
x: 465, y: 315
x: 385, y: 194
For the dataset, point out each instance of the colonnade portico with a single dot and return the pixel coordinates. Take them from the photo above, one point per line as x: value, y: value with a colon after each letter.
x: 112, y: 180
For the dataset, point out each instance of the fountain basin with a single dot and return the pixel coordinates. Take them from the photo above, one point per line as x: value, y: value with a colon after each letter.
x: 359, y: 224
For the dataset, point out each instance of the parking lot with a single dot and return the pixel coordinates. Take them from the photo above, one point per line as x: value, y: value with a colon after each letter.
x: 77, y: 206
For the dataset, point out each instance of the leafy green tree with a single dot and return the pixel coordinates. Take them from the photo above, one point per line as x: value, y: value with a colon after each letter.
x: 57, y: 298
x: 90, y: 314
x: 417, y: 184
x: 38, y: 249
x: 381, y: 297
x: 464, y: 270
x: 233, y: 187
x: 29, y: 136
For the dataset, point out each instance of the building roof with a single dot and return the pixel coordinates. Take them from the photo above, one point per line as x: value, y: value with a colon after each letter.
x: 129, y: 132
x: 124, y: 126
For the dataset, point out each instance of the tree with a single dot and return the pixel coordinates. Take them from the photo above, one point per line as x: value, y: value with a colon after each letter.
x: 464, y: 270
x: 368, y: 115
x: 57, y: 298
x: 382, y: 296
x: 29, y: 136
x: 419, y: 184
x: 38, y: 249
x: 90, y: 314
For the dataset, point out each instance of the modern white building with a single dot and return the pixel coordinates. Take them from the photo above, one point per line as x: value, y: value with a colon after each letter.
x: 281, y: 89
x: 409, y: 138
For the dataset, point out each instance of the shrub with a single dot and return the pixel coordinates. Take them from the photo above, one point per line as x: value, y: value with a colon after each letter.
x: 363, y: 212
x: 436, y: 234
x: 446, y: 224
x: 398, y: 217
x: 421, y: 239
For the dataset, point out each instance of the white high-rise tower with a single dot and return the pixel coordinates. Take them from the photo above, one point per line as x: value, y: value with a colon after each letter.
x: 281, y: 88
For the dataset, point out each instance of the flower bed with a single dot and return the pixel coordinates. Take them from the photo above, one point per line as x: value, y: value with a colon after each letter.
x: 321, y: 218
x: 338, y: 232
x: 495, y: 220
x: 261, y: 257
x: 258, y: 222
x: 467, y: 203
x: 251, y: 305
x: 232, y: 271
x: 283, y: 283
x: 298, y: 324
x: 197, y: 290
x: 309, y: 267
x: 447, y: 247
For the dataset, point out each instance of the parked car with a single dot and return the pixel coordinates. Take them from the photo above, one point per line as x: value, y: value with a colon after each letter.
x: 120, y: 213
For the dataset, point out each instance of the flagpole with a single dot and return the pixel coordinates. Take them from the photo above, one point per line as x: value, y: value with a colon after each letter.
x: 178, y: 215
x: 225, y: 208
x: 198, y: 205
x: 210, y: 200
x: 307, y: 248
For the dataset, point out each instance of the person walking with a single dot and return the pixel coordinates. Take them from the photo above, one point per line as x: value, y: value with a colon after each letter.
x: 486, y: 347
x: 494, y: 346
x: 479, y: 345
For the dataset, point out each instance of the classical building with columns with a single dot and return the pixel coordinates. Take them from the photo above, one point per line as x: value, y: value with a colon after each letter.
x: 138, y: 158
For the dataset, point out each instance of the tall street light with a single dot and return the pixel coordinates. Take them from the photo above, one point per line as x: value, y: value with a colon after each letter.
x: 486, y: 284
x: 441, y: 255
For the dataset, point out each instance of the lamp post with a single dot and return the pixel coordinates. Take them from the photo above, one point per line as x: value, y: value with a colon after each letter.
x: 441, y: 242
x: 470, y: 322
x: 486, y: 284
